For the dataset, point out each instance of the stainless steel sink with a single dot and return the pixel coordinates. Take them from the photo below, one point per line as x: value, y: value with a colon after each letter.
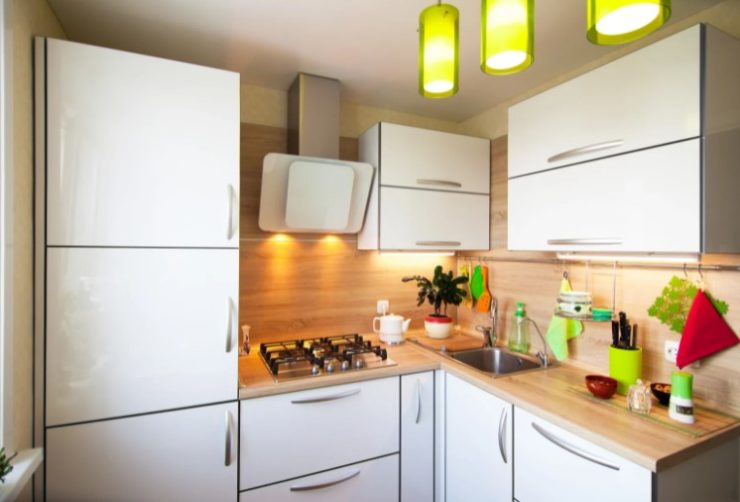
x: 496, y: 360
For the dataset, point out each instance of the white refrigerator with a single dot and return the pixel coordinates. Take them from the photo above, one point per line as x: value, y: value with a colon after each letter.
x: 137, y: 268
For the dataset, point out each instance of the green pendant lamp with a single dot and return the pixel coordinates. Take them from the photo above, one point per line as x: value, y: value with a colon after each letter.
x: 439, y: 51
x: 612, y: 22
x: 507, y: 36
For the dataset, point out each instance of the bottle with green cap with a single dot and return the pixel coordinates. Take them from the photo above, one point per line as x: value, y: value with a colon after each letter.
x: 519, y: 330
x: 681, y: 405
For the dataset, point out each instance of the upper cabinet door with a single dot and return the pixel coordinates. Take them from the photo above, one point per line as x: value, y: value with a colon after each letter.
x: 139, y: 330
x: 420, y: 158
x: 650, y: 97
x: 647, y: 201
x: 141, y: 151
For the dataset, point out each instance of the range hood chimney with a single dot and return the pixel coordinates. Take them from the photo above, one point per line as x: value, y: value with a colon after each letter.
x: 313, y: 117
x: 309, y: 190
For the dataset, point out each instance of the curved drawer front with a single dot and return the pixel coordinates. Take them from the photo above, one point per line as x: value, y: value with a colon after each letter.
x: 292, y: 435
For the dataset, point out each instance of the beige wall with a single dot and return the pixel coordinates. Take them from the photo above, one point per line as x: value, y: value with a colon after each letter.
x: 493, y: 122
x: 29, y: 18
x: 269, y: 107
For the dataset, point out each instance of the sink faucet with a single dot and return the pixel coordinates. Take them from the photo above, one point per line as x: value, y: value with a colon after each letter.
x: 541, y: 355
x: 490, y: 334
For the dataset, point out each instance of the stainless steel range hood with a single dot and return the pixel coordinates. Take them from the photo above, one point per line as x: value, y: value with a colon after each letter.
x: 309, y: 190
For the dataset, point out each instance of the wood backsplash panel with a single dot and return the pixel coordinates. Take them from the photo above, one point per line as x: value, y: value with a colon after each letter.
x: 537, y: 284
x: 313, y: 285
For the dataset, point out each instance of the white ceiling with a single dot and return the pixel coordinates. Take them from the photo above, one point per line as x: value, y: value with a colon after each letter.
x: 371, y: 46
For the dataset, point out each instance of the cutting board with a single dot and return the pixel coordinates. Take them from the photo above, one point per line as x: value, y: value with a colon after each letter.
x: 456, y: 341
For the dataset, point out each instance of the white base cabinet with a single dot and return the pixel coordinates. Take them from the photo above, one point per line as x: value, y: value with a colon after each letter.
x: 372, y: 481
x: 180, y: 455
x: 417, y: 437
x: 553, y: 464
x: 478, y: 442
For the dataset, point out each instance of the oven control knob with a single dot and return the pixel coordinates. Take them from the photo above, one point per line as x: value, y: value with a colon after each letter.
x: 329, y: 367
x: 359, y: 363
x: 345, y: 365
x: 315, y: 369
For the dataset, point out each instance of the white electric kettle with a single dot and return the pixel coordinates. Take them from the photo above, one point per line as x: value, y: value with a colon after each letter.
x: 392, y: 328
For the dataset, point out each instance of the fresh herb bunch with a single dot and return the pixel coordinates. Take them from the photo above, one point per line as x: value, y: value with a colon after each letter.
x: 672, y: 306
x: 5, y: 467
x: 442, y: 290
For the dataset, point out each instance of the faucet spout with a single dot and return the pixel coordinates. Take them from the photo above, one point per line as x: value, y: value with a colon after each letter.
x: 490, y: 334
x: 541, y: 355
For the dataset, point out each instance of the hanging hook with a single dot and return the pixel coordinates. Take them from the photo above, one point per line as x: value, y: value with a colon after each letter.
x: 685, y: 274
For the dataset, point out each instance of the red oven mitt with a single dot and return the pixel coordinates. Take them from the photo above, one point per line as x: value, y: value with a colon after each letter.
x: 705, y: 332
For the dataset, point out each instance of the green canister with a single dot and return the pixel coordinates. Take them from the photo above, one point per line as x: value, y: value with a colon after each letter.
x: 681, y: 405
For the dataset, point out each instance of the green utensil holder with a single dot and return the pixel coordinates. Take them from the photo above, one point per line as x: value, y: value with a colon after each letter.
x: 625, y: 366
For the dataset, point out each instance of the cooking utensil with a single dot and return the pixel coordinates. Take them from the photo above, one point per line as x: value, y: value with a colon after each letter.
x: 476, y: 283
x: 615, y: 333
x: 633, y: 341
x: 464, y: 270
x: 484, y: 302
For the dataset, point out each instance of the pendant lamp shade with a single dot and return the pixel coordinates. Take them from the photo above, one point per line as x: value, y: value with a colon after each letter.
x: 507, y: 36
x: 439, y: 51
x: 612, y: 22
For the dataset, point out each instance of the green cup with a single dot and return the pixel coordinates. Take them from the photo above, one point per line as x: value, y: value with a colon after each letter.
x: 625, y: 366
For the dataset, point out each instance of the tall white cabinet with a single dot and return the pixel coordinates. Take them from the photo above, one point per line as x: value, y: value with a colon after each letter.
x: 137, y: 264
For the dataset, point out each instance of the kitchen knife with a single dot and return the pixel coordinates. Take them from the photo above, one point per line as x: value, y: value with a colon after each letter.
x: 623, y: 336
x: 633, y: 342
x: 615, y: 333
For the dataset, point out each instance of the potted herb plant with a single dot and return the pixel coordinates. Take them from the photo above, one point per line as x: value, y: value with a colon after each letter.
x: 442, y: 290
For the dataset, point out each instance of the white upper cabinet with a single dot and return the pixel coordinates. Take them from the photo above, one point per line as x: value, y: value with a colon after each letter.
x: 647, y: 98
x: 139, y: 330
x: 141, y: 151
x: 420, y: 158
x: 432, y: 190
x: 642, y: 201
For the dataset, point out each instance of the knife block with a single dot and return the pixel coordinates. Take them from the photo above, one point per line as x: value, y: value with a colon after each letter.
x: 625, y: 366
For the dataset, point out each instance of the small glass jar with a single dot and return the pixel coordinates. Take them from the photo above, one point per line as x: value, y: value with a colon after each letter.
x: 638, y: 398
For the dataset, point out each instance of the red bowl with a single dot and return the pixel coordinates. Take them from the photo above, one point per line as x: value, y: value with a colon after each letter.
x: 601, y: 386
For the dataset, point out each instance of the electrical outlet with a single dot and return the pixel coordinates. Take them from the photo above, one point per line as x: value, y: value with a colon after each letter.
x: 670, y: 351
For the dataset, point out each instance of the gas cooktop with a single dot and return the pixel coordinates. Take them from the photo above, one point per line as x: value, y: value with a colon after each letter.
x: 313, y: 357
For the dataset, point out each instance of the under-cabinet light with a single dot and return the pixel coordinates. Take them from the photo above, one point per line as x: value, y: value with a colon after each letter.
x: 631, y: 258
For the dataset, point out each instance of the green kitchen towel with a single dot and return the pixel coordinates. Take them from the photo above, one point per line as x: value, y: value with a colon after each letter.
x: 561, y: 329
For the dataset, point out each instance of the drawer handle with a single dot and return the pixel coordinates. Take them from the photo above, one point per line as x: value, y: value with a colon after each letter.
x: 445, y: 183
x: 326, y: 484
x: 438, y: 243
x: 582, y: 150
x: 230, y: 196
x: 502, y: 434
x: 230, y: 326
x: 598, y: 241
x: 418, y: 401
x: 572, y: 449
x: 323, y: 399
x: 227, y: 445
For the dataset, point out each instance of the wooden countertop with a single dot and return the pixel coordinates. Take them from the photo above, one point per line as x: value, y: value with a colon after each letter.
x: 548, y: 394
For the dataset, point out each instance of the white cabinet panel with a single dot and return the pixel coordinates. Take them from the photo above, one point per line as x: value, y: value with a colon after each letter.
x: 417, y: 437
x: 179, y: 455
x: 553, y: 464
x: 291, y: 435
x: 479, y: 434
x: 426, y: 219
x: 420, y: 158
x: 141, y: 151
x: 372, y: 481
x: 643, y: 201
x: 634, y: 102
x: 139, y: 330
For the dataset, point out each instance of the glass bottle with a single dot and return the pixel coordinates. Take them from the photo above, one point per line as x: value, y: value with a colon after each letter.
x: 519, y: 330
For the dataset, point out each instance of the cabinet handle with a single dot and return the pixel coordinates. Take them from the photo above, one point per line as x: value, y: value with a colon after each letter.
x: 438, y: 243
x: 582, y: 150
x: 445, y: 183
x: 230, y: 325
x: 599, y: 241
x: 332, y: 397
x: 572, y: 449
x: 418, y: 401
x: 326, y: 484
x: 231, y: 195
x: 227, y: 444
x: 502, y: 434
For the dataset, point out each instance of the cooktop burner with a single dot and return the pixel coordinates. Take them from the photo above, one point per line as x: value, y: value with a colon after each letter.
x: 313, y: 357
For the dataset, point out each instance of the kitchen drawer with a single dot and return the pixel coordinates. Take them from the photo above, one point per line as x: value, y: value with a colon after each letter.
x: 553, y: 464
x: 431, y: 220
x: 420, y: 158
x: 626, y: 105
x: 372, y: 481
x: 292, y: 435
x: 646, y: 201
